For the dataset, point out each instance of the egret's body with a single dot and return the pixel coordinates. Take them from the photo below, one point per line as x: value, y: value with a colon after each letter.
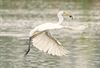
x: 42, y: 39
x: 46, y: 26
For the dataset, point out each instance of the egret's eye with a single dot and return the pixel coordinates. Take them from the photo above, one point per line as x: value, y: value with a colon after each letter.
x: 71, y: 16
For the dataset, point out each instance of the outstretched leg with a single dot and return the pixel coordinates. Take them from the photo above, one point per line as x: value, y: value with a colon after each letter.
x: 28, y: 46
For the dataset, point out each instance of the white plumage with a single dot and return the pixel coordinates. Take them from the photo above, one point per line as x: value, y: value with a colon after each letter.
x: 46, y: 43
x: 42, y: 39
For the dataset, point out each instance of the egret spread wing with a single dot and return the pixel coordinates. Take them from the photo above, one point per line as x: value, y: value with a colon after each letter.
x: 46, y: 43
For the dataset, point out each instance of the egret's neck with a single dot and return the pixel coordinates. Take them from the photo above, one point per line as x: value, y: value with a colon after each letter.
x: 60, y: 17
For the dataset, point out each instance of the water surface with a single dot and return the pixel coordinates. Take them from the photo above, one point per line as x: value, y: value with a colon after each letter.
x: 17, y: 18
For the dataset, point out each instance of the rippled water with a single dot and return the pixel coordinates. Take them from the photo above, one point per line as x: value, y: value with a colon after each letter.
x: 17, y: 18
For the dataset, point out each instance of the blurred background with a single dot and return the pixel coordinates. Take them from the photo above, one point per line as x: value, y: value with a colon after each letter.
x: 18, y: 17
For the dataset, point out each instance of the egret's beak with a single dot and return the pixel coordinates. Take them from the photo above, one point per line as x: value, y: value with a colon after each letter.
x: 67, y: 14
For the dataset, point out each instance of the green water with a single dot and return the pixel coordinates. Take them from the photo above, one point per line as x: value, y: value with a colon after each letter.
x: 18, y: 17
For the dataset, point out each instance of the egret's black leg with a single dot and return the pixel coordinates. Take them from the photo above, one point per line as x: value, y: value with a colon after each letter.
x: 28, y: 46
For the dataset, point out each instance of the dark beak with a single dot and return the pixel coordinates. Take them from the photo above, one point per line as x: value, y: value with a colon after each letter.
x: 28, y: 46
x: 71, y: 16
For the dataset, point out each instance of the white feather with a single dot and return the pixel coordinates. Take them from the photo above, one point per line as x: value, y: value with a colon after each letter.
x: 46, y: 43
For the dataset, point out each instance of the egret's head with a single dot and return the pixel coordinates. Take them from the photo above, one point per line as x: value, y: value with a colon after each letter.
x: 65, y: 13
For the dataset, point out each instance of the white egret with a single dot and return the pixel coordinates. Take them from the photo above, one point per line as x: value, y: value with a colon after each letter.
x: 42, y: 39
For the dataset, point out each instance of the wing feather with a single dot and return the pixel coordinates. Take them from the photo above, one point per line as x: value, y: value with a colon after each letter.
x: 46, y: 43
